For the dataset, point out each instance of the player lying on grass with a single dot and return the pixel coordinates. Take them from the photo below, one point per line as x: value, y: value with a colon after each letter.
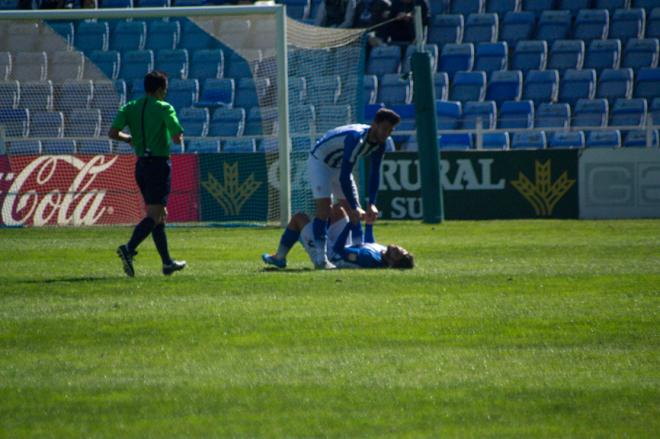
x: 361, y: 253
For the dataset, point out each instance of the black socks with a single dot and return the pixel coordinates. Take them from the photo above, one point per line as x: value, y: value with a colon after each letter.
x: 140, y: 233
x: 160, y: 239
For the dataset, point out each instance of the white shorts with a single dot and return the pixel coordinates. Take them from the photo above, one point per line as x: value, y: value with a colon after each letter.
x: 325, y: 180
x: 307, y: 236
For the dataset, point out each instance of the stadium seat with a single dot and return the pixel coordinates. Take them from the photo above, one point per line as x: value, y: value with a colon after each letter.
x: 5, y: 66
x: 203, y: 146
x: 590, y: 113
x: 30, y: 66
x: 136, y: 64
x: 298, y: 90
x: 530, y: 55
x: 516, y: 114
x: 227, y: 122
x: 195, y: 121
x: 538, y: 6
x: 243, y: 145
x: 217, y: 93
x: 528, y: 140
x: 491, y: 57
x: 123, y: 148
x: 197, y: 35
x: 268, y: 145
x: 448, y: 114
x: 468, y: 86
x: 331, y: 116
x: 66, y: 65
x: 591, y: 24
x: 441, y: 83
x: 614, y: 84
x: 481, y: 28
x: 190, y: 3
x: 604, y: 139
x: 628, y: 113
x: 242, y: 65
x: 207, y: 64
x: 455, y: 141
x: 370, y: 89
x: 401, y: 140
x: 183, y: 93
x: 25, y: 147
x: 173, y: 62
x: 384, y: 59
x: 326, y: 89
x: 603, y: 54
x: 574, y: 6
x: 552, y: 116
x: 129, y: 35
x: 107, y: 63
x: 566, y: 139
x: 553, y: 26
x: 653, y: 23
x: 466, y: 7
x: 577, y: 84
x: 302, y: 119
x: 297, y: 9
x: 83, y: 123
x: 108, y: 97
x: 250, y: 91
x: 648, y: 5
x: 163, y: 35
x: 627, y: 23
x: 432, y: 49
x: 37, y: 95
x: 10, y: 92
x: 394, y: 90
x: 639, y: 139
x: 495, y: 141
x: 446, y: 29
x: 94, y: 146
x: 15, y: 121
x: 56, y: 36
x: 46, y: 124
x: 116, y: 3
x: 405, y: 111
x: 75, y: 95
x: 505, y: 85
x: 92, y: 35
x: 58, y: 146
x: 501, y: 7
x: 655, y: 111
x: 641, y: 53
x: 566, y: 54
x: 235, y: 32
x: 21, y: 37
x: 456, y: 57
x: 136, y: 89
x: 486, y: 111
x: 517, y: 26
x: 611, y: 5
x: 541, y: 86
x: 153, y: 4
x: 647, y: 83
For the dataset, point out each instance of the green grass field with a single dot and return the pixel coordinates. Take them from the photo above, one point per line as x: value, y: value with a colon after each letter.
x: 505, y: 329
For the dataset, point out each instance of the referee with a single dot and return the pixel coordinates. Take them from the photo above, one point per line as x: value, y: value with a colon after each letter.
x: 152, y: 123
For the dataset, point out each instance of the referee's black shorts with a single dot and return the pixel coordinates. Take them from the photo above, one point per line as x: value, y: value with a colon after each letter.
x: 152, y: 175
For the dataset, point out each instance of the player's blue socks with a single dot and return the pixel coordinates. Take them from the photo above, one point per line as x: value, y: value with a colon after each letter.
x: 288, y: 240
x: 320, y: 229
x: 160, y: 239
x: 356, y: 234
x: 140, y: 233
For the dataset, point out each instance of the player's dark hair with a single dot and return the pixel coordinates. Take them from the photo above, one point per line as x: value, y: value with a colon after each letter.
x: 155, y: 80
x: 385, y: 114
x: 407, y: 261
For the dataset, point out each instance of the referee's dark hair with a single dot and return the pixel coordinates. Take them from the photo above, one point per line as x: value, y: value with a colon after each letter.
x: 155, y: 80
x: 385, y: 114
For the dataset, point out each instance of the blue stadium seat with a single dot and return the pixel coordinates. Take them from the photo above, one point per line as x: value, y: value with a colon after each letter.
x: 538, y: 6
x: 75, y: 94
x: 331, y: 116
x: 66, y: 65
x: 501, y: 7
x: 590, y: 113
x: 37, y: 95
x: 21, y: 37
x: 10, y: 92
x: 456, y: 57
x: 441, y: 83
x: 495, y: 141
x: 455, y: 141
x: 566, y: 139
x: 566, y: 54
x: 541, y: 86
x: 603, y: 54
x: 235, y: 32
x: 136, y: 89
x: 243, y: 145
x: 298, y: 90
x: 492, y: 56
x: 468, y: 86
x: 516, y: 114
x: 92, y: 36
x: 628, y: 23
x: 108, y: 63
x: 370, y: 89
x: 517, y: 26
x: 268, y: 145
x: 94, y: 146
x: 639, y: 139
x: 655, y: 111
x: 136, y: 64
x: 190, y: 3
x: 25, y: 147
x: 302, y: 118
x: 486, y: 111
x: 195, y: 121
x: 242, y: 65
x: 446, y: 29
x: 448, y: 114
x: 326, y: 89
x: 401, y: 140
x: 591, y: 24
x: 173, y: 62
x: 207, y: 64
x: 249, y: 91
x: 83, y: 123
x: 58, y: 146
x: 384, y: 59
x: 628, y: 113
x: 552, y: 116
x: 183, y: 93
x: 194, y: 36
x: 30, y: 66
x: 604, y: 139
x: 108, y: 97
x: 611, y: 5
x: 577, y: 84
x: 116, y: 3
x: 15, y: 121
x: 5, y: 66
x: 129, y: 35
x: 56, y: 36
x: 653, y: 23
x: 530, y: 55
x: 432, y: 49
x: 153, y: 4
x: 297, y: 9
x: 394, y: 90
x: 203, y: 146
x: 466, y: 7
x: 406, y: 111
x: 227, y: 122
x: 217, y: 93
x: 123, y: 148
x: 648, y: 5
x: 647, y: 83
x: 46, y: 124
x: 574, y: 6
x: 481, y: 28
x: 163, y: 34
x: 505, y: 85
x: 529, y: 140
x: 614, y: 84
x: 554, y: 26
x: 641, y: 53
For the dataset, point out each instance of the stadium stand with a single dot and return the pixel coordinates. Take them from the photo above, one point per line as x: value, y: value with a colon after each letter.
x: 66, y: 65
x: 628, y: 23
x: 591, y: 24
x: 173, y: 62
x: 448, y: 114
x: 16, y: 121
x: 554, y: 26
x: 227, y: 122
x: 217, y: 93
x: 641, y: 53
x: 529, y: 140
x: 604, y: 139
x: 24, y: 147
x: 109, y: 63
x: 58, y: 146
x: 628, y: 113
x: 456, y: 57
x: 614, y: 84
x: 577, y: 84
x: 530, y: 55
x: 243, y: 145
x: 566, y: 54
x: 129, y: 35
x: 590, y: 113
x: 475, y: 111
x: 458, y: 141
x: 517, y: 26
x: 163, y: 34
x: 384, y: 59
x: 567, y: 139
x: 552, y: 116
x: 481, y: 28
x: 495, y: 141
x: 647, y: 83
x: 441, y: 83
x: 330, y: 116
x: 653, y: 23
x: 5, y: 66
x: 30, y: 66
x: 639, y: 139
x: 37, y: 95
x: 92, y: 36
x: 46, y: 124
x: 468, y: 86
x: 370, y: 90
x: 207, y: 64
x: 611, y: 5
x: 603, y: 54
x: 446, y: 29
x: 136, y: 63
x: 504, y: 86
x: 500, y: 7
x: 394, y: 90
x: 195, y: 121
x: 430, y: 48
x: 466, y: 7
x: 541, y: 86
x: 203, y: 146
x: 516, y: 114
x: 10, y: 92
x: 491, y: 57
x: 538, y: 6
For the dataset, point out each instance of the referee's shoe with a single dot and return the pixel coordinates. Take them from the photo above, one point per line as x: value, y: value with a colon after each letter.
x: 126, y: 257
x: 173, y: 266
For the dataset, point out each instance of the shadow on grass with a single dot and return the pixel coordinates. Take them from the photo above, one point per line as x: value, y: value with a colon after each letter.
x: 286, y: 270
x: 71, y: 279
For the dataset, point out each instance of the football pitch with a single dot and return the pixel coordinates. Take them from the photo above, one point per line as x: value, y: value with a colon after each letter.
x: 538, y: 329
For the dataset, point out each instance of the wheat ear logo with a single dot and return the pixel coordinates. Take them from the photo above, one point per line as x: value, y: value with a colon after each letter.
x: 543, y: 194
x: 231, y: 195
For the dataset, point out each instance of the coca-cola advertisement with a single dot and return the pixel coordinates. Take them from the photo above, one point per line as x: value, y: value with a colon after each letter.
x: 183, y: 202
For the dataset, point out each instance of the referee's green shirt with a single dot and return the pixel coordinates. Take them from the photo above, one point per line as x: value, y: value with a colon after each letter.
x: 160, y: 124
